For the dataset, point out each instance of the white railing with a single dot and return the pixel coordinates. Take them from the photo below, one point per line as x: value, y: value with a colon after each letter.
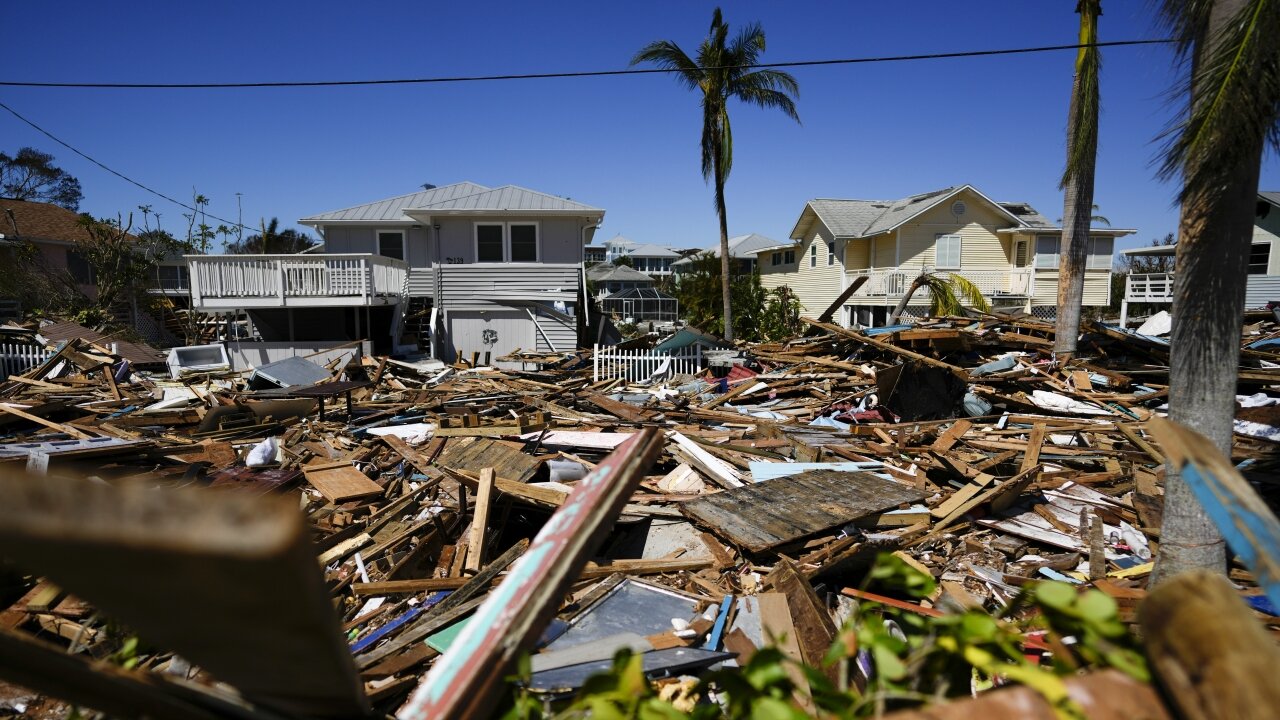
x: 1148, y: 287
x: 894, y: 282
x: 637, y: 365
x: 285, y: 277
x: 17, y: 358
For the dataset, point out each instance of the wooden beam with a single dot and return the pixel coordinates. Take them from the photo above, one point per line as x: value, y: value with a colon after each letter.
x: 888, y: 347
x: 480, y: 522
x: 47, y: 423
x: 186, y: 568
x: 466, y: 680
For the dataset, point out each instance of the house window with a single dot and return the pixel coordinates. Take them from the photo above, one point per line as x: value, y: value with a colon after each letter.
x: 813, y: 255
x: 172, y: 277
x: 524, y: 242
x: 831, y: 253
x: 391, y: 244
x: 789, y: 257
x: 1259, y: 258
x: 489, y: 243
x: 775, y: 259
x: 947, y: 252
x: 1099, y: 252
x: 1047, y: 251
x: 79, y: 268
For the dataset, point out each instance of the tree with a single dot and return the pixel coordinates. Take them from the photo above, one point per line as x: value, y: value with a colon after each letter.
x: 624, y: 260
x: 699, y: 295
x: 122, y: 264
x: 947, y: 294
x: 723, y: 72
x: 1077, y: 181
x: 1215, y: 148
x: 271, y: 240
x: 31, y: 175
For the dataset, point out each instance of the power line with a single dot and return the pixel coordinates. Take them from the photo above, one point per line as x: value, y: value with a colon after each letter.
x: 121, y: 175
x: 482, y: 78
x: 579, y: 74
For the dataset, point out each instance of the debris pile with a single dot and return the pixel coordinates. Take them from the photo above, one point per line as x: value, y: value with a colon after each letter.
x: 747, y: 501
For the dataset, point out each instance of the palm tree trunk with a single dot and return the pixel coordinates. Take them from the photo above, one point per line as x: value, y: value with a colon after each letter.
x: 725, y: 281
x: 1215, y: 231
x: 1082, y: 151
x: 906, y: 298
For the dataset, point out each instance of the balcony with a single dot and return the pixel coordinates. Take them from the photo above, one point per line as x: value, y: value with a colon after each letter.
x: 224, y: 282
x: 892, y: 283
x: 1149, y: 287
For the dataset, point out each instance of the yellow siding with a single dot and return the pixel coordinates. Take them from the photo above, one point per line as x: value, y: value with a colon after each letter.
x: 980, y: 247
x: 856, y: 254
x: 815, y: 287
x: 885, y: 252
x: 1097, y: 286
x: 770, y: 276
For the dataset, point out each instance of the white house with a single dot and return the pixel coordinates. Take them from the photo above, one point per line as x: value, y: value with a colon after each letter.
x: 472, y: 268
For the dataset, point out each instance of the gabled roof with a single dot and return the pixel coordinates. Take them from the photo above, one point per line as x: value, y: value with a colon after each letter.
x: 391, y: 209
x: 651, y: 250
x: 508, y: 198
x: 864, y: 218
x: 740, y: 246
x: 616, y: 273
x: 41, y: 221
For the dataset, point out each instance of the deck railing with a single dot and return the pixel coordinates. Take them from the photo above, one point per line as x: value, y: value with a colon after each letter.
x: 894, y: 282
x: 1148, y: 287
x: 359, y: 278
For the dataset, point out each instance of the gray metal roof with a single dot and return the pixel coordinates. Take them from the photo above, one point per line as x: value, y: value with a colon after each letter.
x: 391, y: 209
x: 616, y: 273
x: 651, y: 250
x: 508, y: 198
x: 1271, y: 196
x: 740, y: 246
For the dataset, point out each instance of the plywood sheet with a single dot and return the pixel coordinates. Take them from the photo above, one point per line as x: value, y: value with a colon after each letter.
x: 769, y: 513
x: 341, y: 482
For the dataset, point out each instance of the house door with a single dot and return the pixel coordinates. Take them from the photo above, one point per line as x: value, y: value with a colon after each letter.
x: 492, y: 332
x: 1020, y: 278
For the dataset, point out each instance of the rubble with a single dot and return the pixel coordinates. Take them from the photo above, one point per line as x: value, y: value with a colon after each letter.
x: 748, y: 499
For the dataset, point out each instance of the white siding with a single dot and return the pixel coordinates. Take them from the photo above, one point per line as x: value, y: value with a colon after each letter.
x: 511, y: 330
x: 1097, y: 288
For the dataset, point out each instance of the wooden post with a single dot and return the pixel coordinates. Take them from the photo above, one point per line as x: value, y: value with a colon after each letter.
x: 480, y: 521
x: 466, y: 680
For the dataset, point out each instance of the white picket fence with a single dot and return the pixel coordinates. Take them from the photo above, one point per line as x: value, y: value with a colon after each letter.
x: 639, y: 365
x: 16, y: 358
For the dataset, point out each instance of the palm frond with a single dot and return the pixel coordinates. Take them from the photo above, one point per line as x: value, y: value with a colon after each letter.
x: 668, y: 56
x: 970, y: 292
x: 766, y: 98
x: 1236, y: 77
x: 942, y: 297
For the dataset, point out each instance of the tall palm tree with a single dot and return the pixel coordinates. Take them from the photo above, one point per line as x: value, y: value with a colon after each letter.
x: 1233, y: 88
x: 1077, y: 180
x: 948, y: 294
x: 724, y: 71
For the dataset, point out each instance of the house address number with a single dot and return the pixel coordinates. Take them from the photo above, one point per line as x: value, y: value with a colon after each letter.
x: 453, y: 261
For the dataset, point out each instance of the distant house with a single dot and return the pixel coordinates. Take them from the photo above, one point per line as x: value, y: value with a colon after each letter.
x: 463, y: 268
x: 610, y: 279
x: 742, y: 249
x: 1262, y: 286
x: 653, y: 260
x: 1008, y: 249
x: 56, y: 233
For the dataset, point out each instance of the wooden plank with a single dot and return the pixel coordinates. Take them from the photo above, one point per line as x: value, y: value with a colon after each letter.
x: 814, y: 629
x: 778, y: 626
x: 466, y: 680
x: 888, y: 347
x: 1206, y: 649
x: 1034, y: 441
x: 186, y: 569
x: 711, y: 466
x: 109, y: 688
x: 962, y: 496
x: 769, y: 513
x: 480, y: 522
x: 947, y: 439
x: 18, y: 412
x: 1244, y: 519
x: 341, y: 482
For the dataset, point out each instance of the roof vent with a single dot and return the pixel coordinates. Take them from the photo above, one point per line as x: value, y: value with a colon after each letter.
x: 428, y: 186
x: 958, y: 208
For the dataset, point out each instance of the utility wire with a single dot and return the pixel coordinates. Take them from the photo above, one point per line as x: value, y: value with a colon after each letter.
x: 580, y: 74
x: 121, y: 175
x: 481, y: 78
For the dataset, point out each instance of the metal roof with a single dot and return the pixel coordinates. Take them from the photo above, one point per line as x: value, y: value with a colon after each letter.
x: 508, y: 198
x: 391, y: 209
x: 1271, y: 196
x: 616, y: 273
x: 651, y: 250
x: 739, y: 246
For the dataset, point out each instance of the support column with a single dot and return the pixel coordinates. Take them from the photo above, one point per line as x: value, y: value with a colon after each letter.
x: 1124, y: 314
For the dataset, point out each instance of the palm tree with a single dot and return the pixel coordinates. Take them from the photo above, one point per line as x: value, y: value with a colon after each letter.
x: 1233, y: 91
x: 1094, y: 217
x: 1077, y: 181
x: 723, y: 71
x: 272, y: 240
x: 948, y: 294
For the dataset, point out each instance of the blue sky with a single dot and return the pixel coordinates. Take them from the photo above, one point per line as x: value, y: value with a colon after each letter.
x: 627, y: 144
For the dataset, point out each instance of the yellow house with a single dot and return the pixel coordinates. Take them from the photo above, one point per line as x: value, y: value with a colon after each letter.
x: 1007, y: 249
